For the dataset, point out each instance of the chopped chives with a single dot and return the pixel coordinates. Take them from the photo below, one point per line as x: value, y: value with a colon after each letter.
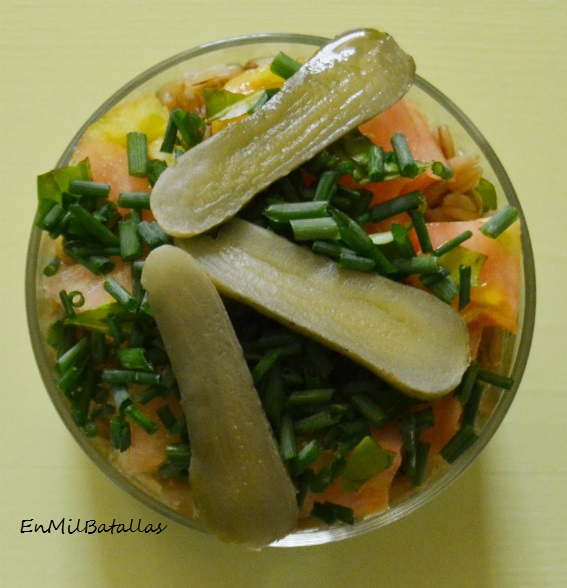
x: 284, y: 66
x: 421, y: 454
x: 115, y: 329
x: 263, y: 367
x: 352, y: 233
x: 152, y: 234
x: 330, y: 249
x: 402, y: 241
x: 71, y: 380
x: 421, y: 231
x: 327, y: 475
x: 287, y: 211
x: 464, y: 285
x: 369, y: 410
x: 170, y: 136
x: 137, y: 144
x: 115, y: 376
x: 53, y: 217
x: 417, y: 265
x: 167, y: 417
x: 155, y: 168
x: 67, y: 304
x: 466, y: 385
x: 74, y: 356
x: 452, y: 243
x: 316, y: 422
x: 88, y: 222
x: 314, y: 229
x: 498, y: 223
x: 306, y: 456
x: 397, y: 205
x: 142, y: 420
x: 326, y: 186
x: 98, y: 347
x: 310, y: 397
x: 89, y: 188
x: 441, y: 170
x: 138, y: 200
x: 441, y: 286
x: 495, y: 379
x: 52, y: 266
x: 459, y: 443
x: 134, y: 358
x: 273, y: 398
x: 120, y: 294
x: 288, y: 448
x: 329, y: 513
x: 131, y: 247
x: 470, y: 409
x: 375, y: 164
x: 406, y: 162
x: 190, y: 125
x: 355, y: 262
x: 119, y: 433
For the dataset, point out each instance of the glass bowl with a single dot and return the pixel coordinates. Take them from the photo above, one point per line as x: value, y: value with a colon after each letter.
x: 439, y: 109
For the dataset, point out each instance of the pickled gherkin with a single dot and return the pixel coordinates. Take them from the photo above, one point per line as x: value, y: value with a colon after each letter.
x: 350, y: 80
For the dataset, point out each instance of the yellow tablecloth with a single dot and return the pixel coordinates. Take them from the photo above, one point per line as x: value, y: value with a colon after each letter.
x: 503, y: 524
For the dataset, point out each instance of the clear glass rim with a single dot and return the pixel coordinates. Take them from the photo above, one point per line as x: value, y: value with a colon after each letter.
x: 316, y: 536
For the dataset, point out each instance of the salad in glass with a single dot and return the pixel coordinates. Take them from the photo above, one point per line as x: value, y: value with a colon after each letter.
x: 410, y: 198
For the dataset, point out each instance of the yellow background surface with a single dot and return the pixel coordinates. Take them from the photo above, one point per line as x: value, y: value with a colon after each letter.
x: 503, y: 523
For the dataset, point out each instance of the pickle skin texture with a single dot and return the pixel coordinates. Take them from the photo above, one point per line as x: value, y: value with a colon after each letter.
x: 406, y: 336
x: 351, y: 79
x: 238, y: 482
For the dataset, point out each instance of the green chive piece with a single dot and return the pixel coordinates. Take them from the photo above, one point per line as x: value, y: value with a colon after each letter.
x: 191, y: 126
x: 402, y: 241
x: 497, y: 224
x: 369, y: 410
x: 316, y: 422
x: 466, y: 385
x: 417, y: 265
x: 287, y: 211
x: 134, y: 358
x: 112, y: 376
x: 464, y: 285
x: 472, y: 404
x: 131, y: 247
x: 306, y: 456
x: 329, y: 513
x: 284, y: 66
x: 495, y: 379
x: 452, y: 243
x: 441, y: 286
x: 74, y: 357
x: 152, y: 234
x: 310, y: 397
x: 119, y: 433
x: 327, y: 475
x: 356, y: 262
x: 53, y: 218
x: 67, y: 303
x: 273, y: 398
x: 137, y: 144
x: 326, y: 186
x: 352, y: 233
x: 397, y: 205
x: 52, y: 266
x: 421, y: 231
x: 120, y: 294
x: 421, y: 454
x: 88, y: 222
x: 155, y: 168
x: 441, y: 170
x: 88, y: 188
x: 142, y: 420
x: 138, y: 200
x: 459, y: 443
x: 315, y: 229
x: 288, y: 448
x: 406, y: 162
x: 98, y: 347
x: 167, y: 417
x: 376, y: 161
x: 179, y: 453
x: 170, y: 136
